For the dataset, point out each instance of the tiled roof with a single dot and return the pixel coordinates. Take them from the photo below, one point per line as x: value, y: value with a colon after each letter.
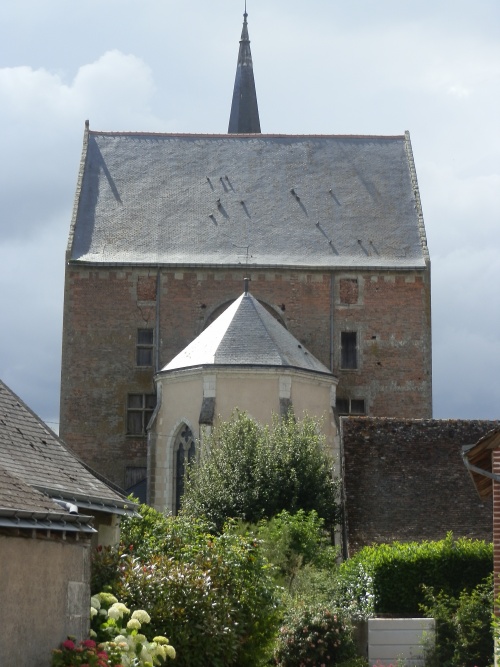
x: 31, y: 453
x: 256, y: 200
x: 245, y: 334
x: 21, y: 506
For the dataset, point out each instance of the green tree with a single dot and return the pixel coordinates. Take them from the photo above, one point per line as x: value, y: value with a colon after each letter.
x: 252, y: 471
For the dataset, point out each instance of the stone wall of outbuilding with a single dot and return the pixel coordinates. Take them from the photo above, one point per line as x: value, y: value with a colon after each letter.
x: 405, y: 480
x: 44, y: 596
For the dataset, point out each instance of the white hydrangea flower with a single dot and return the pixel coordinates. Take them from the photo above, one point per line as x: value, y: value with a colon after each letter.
x: 117, y: 610
x: 160, y: 640
x: 93, y: 612
x: 141, y: 615
x: 134, y: 624
x: 170, y: 651
x: 114, y: 613
x: 95, y: 602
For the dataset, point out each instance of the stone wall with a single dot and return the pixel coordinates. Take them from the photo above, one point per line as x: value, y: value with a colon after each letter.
x: 405, y: 480
x: 104, y: 308
x: 45, y: 596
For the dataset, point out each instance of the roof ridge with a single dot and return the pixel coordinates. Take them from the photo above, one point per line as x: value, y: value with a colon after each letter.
x: 242, y: 135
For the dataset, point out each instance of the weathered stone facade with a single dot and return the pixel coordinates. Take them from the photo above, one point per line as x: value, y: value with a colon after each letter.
x: 45, y: 593
x: 405, y: 480
x: 106, y: 306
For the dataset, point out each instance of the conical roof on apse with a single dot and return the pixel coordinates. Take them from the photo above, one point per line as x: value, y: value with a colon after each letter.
x: 246, y: 334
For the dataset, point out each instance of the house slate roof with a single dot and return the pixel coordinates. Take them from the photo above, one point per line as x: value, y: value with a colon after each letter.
x: 32, y: 454
x: 281, y: 201
x: 21, y: 506
x: 246, y: 334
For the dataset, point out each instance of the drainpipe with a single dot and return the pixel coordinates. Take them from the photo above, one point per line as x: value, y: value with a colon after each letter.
x: 332, y: 306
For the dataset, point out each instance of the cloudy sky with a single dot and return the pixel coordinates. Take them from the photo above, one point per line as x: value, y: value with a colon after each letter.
x: 325, y: 67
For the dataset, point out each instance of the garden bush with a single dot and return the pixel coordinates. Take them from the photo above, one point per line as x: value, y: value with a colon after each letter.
x: 214, y: 593
x: 292, y: 542
x: 312, y: 634
x: 464, y: 632
x: 388, y: 578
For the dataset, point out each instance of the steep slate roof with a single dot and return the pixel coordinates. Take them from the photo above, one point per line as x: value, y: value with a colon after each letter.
x: 21, y: 506
x: 244, y: 117
x: 31, y: 453
x: 245, y: 334
x: 257, y: 200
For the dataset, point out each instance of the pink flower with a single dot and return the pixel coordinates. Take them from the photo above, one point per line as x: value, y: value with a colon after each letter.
x: 89, y: 643
x: 68, y: 644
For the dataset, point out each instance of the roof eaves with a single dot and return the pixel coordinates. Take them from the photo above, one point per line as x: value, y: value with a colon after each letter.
x: 107, y: 505
x: 59, y: 521
x: 420, y: 266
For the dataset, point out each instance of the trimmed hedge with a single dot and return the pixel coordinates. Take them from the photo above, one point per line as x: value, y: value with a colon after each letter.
x: 388, y: 578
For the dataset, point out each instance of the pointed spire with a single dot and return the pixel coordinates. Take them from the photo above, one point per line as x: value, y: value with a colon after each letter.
x: 244, y: 117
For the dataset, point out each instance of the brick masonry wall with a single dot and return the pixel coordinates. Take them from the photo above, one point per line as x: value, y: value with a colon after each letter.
x: 104, y: 307
x: 496, y: 524
x: 405, y: 480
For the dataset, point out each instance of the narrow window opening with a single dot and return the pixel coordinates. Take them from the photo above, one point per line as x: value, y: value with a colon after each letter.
x: 348, y: 350
x: 144, y: 347
x: 184, y: 454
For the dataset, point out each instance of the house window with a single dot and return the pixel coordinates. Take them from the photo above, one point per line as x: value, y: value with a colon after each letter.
x: 184, y: 453
x: 139, y: 411
x: 348, y: 350
x: 144, y: 348
x: 350, y: 406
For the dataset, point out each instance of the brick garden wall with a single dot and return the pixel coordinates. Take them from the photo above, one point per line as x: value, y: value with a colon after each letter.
x: 405, y: 480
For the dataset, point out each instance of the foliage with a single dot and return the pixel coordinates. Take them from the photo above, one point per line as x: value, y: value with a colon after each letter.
x: 388, y: 578
x: 313, y: 634
x: 86, y: 654
x: 358, y: 661
x: 214, y: 593
x: 252, y: 471
x: 105, y: 568
x: 123, y: 641
x: 464, y: 635
x: 294, y: 541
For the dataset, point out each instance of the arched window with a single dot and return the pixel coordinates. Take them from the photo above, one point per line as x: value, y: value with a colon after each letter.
x: 184, y: 453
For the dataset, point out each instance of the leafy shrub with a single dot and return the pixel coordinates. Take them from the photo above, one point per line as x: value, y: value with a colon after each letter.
x: 214, y: 593
x: 311, y: 634
x: 388, y: 578
x: 294, y: 541
x: 252, y: 471
x: 104, y: 568
x: 464, y: 634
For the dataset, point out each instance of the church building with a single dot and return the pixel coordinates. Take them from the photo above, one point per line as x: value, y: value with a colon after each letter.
x: 329, y: 231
